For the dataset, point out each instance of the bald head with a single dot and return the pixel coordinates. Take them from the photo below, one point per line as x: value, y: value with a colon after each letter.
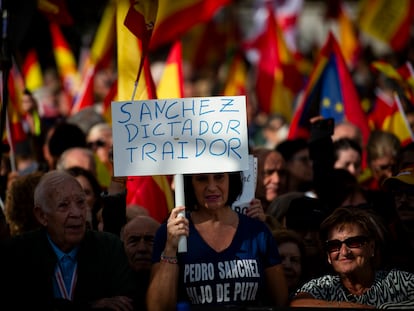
x: 138, y: 238
x: 347, y: 130
x: 81, y: 157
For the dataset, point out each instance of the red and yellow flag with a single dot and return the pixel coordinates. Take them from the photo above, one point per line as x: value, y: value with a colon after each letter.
x: 14, y: 132
x: 387, y: 21
x: 174, y: 18
x: 99, y: 56
x: 278, y: 78
x: 65, y: 62
x: 151, y: 192
x: 171, y: 84
x: 236, y: 82
x: 32, y: 72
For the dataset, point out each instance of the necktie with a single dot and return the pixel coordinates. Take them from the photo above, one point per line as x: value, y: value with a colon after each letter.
x: 67, y: 271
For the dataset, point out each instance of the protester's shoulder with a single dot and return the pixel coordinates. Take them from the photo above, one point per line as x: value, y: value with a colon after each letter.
x: 395, y: 275
x: 101, y: 237
x: 253, y: 224
x: 326, y: 280
x: 29, y: 238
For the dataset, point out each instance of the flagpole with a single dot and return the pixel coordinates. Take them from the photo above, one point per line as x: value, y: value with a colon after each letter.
x: 5, y: 65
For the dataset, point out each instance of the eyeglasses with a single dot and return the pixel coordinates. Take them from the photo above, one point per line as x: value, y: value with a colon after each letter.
x: 96, y: 144
x: 352, y: 242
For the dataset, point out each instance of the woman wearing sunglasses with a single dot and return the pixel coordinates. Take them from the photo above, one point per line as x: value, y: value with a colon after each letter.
x: 354, y: 239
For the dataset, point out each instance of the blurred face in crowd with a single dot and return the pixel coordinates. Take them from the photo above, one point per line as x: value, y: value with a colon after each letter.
x: 211, y: 190
x: 138, y: 238
x: 99, y: 140
x: 291, y: 262
x: 350, y: 160
x: 347, y: 130
x: 349, y: 250
x: 28, y: 103
x: 300, y: 166
x: 404, y: 204
x: 274, y: 175
x: 63, y: 212
x: 382, y: 167
x: 89, y: 196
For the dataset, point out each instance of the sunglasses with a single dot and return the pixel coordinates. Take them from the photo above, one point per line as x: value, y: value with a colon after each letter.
x: 352, y: 242
x: 96, y: 144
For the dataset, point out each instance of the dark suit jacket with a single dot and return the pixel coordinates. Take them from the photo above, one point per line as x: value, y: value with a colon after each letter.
x: 27, y: 264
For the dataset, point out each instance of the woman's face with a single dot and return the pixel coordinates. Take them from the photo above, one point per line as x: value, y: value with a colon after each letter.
x: 291, y: 262
x: 350, y: 160
x: 352, y: 257
x: 382, y: 167
x: 211, y: 190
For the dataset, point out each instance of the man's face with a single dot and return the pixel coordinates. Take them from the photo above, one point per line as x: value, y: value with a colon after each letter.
x: 404, y: 204
x: 382, y: 168
x: 138, y: 237
x: 65, y: 219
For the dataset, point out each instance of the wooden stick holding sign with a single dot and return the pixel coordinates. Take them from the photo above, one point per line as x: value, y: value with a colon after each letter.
x: 180, y: 201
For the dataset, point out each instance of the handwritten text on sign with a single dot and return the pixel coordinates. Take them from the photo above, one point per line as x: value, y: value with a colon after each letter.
x: 180, y: 136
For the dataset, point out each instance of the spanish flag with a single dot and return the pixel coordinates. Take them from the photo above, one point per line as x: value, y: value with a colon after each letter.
x: 237, y: 76
x: 387, y: 21
x: 388, y: 115
x: 32, y: 72
x: 171, y: 84
x: 99, y: 56
x: 278, y: 79
x: 65, y: 62
x: 174, y: 18
x: 135, y: 82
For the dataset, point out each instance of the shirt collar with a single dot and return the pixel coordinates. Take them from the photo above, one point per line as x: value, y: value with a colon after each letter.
x: 59, y: 254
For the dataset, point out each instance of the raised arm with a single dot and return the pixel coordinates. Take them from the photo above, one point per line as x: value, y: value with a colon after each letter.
x: 163, y: 288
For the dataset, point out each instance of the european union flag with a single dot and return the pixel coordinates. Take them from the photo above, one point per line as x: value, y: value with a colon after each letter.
x: 330, y: 92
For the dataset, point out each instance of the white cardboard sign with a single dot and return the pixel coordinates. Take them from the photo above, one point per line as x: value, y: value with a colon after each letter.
x: 180, y: 136
x: 249, y: 187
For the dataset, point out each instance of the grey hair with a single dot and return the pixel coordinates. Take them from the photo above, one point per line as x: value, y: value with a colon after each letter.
x: 62, y: 164
x: 46, y: 188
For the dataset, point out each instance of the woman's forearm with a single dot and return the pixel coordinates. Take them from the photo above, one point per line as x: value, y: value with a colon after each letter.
x: 162, y: 290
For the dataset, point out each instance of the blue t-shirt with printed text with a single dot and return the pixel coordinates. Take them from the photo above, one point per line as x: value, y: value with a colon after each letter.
x: 234, y: 276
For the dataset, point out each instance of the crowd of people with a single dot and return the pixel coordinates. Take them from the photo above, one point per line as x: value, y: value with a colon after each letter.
x: 331, y: 223
x: 315, y: 235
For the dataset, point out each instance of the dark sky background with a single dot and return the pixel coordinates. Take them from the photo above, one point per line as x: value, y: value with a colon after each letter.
x: 28, y: 28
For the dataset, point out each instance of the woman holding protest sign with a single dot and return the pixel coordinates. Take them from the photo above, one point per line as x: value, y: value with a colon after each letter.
x: 232, y: 259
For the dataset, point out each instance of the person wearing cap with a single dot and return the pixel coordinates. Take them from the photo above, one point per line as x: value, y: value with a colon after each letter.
x: 354, y: 241
x: 401, y: 187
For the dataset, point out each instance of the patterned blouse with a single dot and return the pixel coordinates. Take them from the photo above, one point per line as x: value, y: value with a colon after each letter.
x: 391, y: 289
